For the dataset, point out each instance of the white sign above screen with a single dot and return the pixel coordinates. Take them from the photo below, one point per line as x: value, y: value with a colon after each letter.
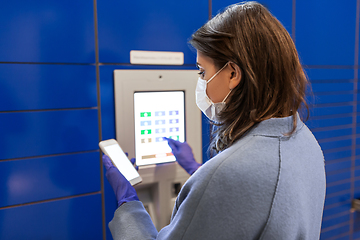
x: 156, y: 58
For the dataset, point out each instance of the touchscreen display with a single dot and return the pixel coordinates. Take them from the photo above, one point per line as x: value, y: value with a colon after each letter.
x: 158, y: 115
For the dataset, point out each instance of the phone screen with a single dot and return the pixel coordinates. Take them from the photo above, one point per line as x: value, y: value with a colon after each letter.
x: 158, y: 115
x: 121, y: 161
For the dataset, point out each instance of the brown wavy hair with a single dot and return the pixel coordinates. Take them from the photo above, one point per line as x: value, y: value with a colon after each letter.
x: 273, y: 82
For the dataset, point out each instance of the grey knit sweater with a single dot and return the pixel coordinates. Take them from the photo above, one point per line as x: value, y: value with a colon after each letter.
x: 265, y: 186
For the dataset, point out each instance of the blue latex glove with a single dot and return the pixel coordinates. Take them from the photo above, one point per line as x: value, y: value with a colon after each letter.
x: 183, y: 154
x: 123, y: 190
x: 133, y: 160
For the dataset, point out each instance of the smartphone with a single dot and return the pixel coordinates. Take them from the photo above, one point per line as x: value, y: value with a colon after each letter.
x: 113, y: 150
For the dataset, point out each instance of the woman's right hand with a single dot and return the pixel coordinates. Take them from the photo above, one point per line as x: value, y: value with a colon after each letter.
x: 183, y: 154
x: 123, y: 190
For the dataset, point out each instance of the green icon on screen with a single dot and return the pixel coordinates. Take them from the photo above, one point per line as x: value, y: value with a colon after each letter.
x: 145, y: 114
x: 175, y: 137
x: 145, y: 131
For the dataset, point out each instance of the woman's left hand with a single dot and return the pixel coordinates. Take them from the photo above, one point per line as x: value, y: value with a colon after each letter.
x: 183, y: 154
x: 122, y: 188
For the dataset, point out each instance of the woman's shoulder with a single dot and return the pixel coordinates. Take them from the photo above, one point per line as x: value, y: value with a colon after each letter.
x: 249, y: 163
x: 248, y: 153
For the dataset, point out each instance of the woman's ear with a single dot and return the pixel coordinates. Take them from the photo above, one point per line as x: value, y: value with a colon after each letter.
x: 236, y: 75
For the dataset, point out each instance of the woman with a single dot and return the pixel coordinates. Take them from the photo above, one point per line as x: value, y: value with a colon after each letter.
x: 267, y: 180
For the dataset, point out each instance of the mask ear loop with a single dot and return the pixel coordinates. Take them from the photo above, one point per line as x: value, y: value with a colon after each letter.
x: 223, y: 101
x: 217, y: 73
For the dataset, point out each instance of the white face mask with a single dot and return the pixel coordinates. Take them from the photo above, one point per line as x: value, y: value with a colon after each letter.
x: 210, y: 109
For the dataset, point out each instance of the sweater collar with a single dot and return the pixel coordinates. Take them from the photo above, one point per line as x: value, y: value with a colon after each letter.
x: 277, y: 127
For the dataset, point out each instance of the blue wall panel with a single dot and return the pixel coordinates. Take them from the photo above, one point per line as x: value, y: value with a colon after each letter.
x: 147, y: 25
x: 26, y: 134
x: 325, y: 32
x: 358, y: 101
x: 333, y: 98
x: 358, y: 124
x: 335, y: 221
x: 337, y: 199
x: 329, y: 122
x: 356, y: 234
x: 337, y: 165
x: 327, y: 145
x: 40, y: 86
x: 281, y: 9
x: 325, y: 74
x: 107, y: 101
x: 357, y: 190
x: 343, y: 109
x: 332, y: 133
x: 336, y: 210
x: 206, y: 130
x: 337, y: 154
x: 357, y: 184
x: 335, y: 232
x: 47, y: 31
x: 335, y: 86
x: 338, y: 188
x: 37, y: 179
x: 71, y: 219
x: 357, y: 147
x: 343, y: 175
